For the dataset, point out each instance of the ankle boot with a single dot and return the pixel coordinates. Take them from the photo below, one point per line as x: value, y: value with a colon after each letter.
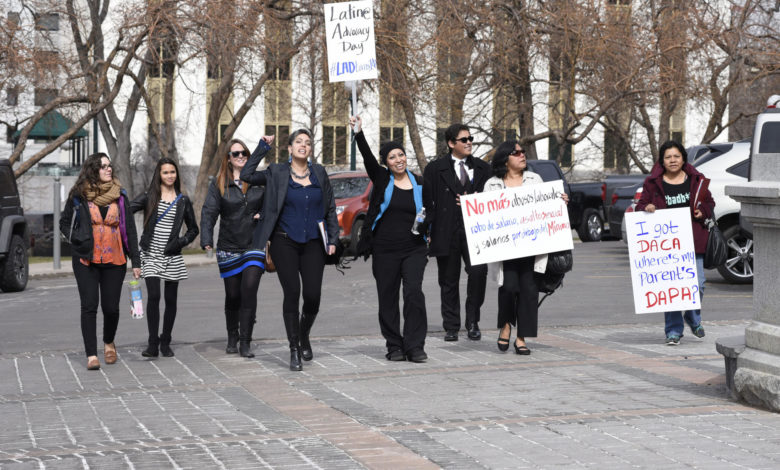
x: 295, y: 358
x: 246, y: 326
x: 306, y: 323
x: 152, y: 350
x: 232, y: 342
x: 165, y: 347
x: 245, y: 348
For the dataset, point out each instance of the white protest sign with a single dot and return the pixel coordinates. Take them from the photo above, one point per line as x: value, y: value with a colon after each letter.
x: 349, y: 31
x: 663, y: 260
x: 516, y: 222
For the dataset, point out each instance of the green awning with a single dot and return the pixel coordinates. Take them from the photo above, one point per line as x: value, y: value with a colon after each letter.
x: 51, y: 126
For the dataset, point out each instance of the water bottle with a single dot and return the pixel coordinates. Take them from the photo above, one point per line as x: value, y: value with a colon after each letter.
x: 418, y: 220
x: 136, y: 299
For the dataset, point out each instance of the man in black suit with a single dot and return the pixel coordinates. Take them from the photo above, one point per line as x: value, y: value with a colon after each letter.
x: 444, y: 180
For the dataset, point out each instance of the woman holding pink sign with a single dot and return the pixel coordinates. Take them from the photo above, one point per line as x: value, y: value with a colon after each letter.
x: 673, y: 183
x: 518, y: 294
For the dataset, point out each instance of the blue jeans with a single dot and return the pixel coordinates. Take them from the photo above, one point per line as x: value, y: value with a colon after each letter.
x: 674, y: 320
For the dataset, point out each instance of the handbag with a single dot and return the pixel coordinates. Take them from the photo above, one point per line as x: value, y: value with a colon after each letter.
x: 269, y: 263
x: 558, y: 264
x: 717, y: 250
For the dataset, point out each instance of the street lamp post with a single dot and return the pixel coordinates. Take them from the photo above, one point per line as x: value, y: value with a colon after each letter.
x: 55, y: 237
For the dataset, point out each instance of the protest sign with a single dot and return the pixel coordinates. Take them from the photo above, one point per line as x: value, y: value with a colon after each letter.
x: 516, y: 222
x: 663, y: 260
x: 349, y: 31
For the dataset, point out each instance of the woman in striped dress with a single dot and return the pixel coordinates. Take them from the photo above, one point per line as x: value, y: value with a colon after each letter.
x: 237, y: 205
x: 165, y: 209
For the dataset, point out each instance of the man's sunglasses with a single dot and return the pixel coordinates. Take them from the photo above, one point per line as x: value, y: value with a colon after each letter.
x: 463, y: 140
x: 238, y: 153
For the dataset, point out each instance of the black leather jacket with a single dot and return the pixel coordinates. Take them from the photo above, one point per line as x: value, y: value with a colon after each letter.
x: 184, y: 214
x: 236, y: 211
x: 81, y: 242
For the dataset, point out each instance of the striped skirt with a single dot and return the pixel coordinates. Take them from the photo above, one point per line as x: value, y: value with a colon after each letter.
x: 231, y: 263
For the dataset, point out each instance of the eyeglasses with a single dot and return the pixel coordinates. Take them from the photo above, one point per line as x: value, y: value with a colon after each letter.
x: 516, y: 152
x: 463, y: 140
x: 238, y: 153
x: 106, y: 166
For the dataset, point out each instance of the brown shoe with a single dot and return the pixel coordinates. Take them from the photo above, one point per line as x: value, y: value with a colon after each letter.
x: 93, y: 363
x: 110, y: 353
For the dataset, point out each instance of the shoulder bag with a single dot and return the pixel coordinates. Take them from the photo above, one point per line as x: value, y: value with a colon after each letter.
x: 717, y: 250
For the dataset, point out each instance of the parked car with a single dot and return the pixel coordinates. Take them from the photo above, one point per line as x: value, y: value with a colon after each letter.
x: 14, y: 237
x: 586, y: 210
x: 622, y: 199
x: 352, y: 191
x: 612, y: 183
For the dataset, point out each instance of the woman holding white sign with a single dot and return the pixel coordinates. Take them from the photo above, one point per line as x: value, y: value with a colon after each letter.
x: 672, y: 183
x: 399, y: 254
x: 518, y: 294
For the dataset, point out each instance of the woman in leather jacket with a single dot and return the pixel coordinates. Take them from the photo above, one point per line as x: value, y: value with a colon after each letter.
x: 237, y: 205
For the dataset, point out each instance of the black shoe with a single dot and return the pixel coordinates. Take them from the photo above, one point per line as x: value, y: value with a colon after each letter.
x: 395, y: 355
x: 451, y: 335
x: 295, y: 359
x: 474, y: 333
x: 151, y: 351
x: 522, y: 350
x: 417, y: 356
x: 306, y: 353
x: 305, y: 325
x: 165, y: 350
x: 503, y: 343
x: 232, y: 342
x: 245, y: 348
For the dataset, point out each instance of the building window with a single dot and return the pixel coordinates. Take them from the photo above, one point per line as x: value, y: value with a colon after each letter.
x: 334, y: 145
x: 47, y: 22
x: 44, y: 96
x: 14, y: 18
x: 278, y: 152
x: 12, y: 96
x: 387, y: 134
x: 677, y: 136
x: 562, y: 153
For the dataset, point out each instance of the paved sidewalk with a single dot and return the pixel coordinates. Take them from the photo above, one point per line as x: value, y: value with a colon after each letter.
x: 609, y: 397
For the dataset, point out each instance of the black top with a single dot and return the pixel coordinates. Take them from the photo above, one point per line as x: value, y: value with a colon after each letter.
x: 236, y: 212
x: 393, y: 231
x: 677, y: 195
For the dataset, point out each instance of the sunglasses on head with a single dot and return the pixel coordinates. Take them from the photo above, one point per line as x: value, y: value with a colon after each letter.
x: 517, y: 152
x: 463, y: 140
x: 238, y: 153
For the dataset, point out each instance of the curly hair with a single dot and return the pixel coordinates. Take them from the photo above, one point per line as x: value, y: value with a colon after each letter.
x: 89, y: 176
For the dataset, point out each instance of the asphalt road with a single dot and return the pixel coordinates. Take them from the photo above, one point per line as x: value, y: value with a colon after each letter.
x: 597, y: 292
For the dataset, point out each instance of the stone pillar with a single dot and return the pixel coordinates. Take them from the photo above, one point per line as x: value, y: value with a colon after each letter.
x: 757, y: 376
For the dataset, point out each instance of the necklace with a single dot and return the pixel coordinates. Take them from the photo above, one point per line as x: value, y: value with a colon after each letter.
x: 300, y: 177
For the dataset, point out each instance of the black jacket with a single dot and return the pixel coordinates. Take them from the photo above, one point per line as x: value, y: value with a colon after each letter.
x: 81, y: 242
x: 276, y: 178
x: 380, y: 177
x: 184, y: 214
x: 236, y: 211
x: 440, y: 186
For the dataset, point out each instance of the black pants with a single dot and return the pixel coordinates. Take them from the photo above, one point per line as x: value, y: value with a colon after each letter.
x: 518, y: 297
x: 98, y: 284
x: 449, y: 280
x: 241, y: 298
x: 298, y: 265
x: 390, y: 270
x: 153, y: 309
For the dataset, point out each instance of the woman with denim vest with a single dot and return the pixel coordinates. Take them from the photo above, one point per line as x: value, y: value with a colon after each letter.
x: 398, y: 256
x: 99, y: 226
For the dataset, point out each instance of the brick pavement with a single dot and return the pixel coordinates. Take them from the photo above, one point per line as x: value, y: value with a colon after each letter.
x: 588, y: 397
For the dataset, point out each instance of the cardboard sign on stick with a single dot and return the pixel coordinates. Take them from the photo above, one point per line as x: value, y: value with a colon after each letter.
x: 516, y: 222
x: 349, y: 31
x: 663, y: 261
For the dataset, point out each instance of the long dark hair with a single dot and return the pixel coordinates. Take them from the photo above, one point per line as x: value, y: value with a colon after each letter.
x: 501, y: 156
x: 89, y: 176
x: 225, y: 173
x: 153, y: 194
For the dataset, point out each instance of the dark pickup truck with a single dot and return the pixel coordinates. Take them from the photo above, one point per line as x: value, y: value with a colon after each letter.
x: 585, y: 203
x: 14, y: 237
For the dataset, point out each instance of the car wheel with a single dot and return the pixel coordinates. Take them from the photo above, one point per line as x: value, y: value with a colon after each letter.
x: 15, y: 270
x: 357, y: 227
x: 738, y: 267
x: 591, y: 227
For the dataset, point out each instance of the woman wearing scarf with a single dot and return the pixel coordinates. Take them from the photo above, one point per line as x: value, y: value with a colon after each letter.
x: 100, y: 229
x: 399, y: 256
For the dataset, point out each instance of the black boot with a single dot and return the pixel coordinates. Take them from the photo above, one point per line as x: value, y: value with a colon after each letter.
x: 295, y: 357
x: 152, y: 350
x: 245, y: 340
x: 232, y: 342
x: 165, y: 347
x: 306, y: 323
